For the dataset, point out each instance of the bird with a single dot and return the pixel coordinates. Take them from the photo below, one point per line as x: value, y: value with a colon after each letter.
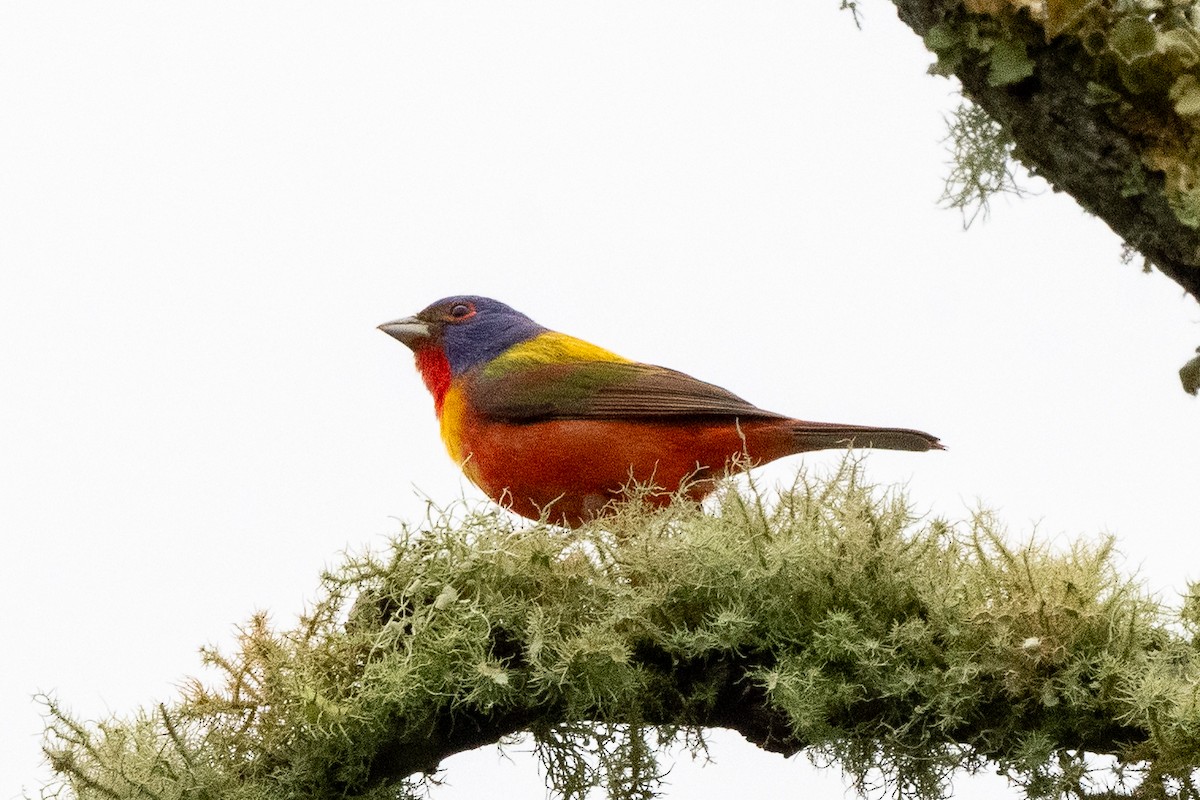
x: 558, y: 429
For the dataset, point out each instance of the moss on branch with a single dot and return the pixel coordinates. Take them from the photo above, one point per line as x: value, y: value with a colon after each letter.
x: 1099, y: 97
x: 830, y: 618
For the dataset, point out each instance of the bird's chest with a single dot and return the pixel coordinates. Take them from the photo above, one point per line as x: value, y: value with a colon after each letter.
x: 459, y: 426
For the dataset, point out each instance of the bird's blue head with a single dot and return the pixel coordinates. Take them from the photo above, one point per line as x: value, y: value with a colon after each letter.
x: 470, y: 330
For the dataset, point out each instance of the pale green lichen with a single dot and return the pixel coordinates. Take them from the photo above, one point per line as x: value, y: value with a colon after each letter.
x: 900, y: 648
x: 981, y: 164
x: 1141, y: 59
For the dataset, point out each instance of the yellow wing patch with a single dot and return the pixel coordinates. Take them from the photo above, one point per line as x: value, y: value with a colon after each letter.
x: 549, y: 348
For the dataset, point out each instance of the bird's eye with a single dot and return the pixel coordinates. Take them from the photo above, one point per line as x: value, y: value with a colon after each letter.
x: 461, y: 311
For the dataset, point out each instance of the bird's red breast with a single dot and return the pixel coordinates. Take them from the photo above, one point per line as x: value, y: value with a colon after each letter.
x: 571, y: 470
x: 555, y: 427
x: 435, y: 372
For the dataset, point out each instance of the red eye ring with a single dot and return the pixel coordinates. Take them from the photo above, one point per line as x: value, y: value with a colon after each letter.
x: 460, y: 311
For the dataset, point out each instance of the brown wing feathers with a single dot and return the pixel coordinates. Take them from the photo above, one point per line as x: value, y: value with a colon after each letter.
x: 628, y: 390
x: 826, y: 435
x: 604, y: 390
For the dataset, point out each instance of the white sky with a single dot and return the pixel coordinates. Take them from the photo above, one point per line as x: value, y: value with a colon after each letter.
x: 205, y: 209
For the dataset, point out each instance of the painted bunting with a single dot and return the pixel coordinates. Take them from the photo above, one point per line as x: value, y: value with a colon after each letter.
x: 547, y: 424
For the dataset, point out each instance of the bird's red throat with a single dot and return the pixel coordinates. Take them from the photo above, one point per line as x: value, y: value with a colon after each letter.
x: 435, y: 371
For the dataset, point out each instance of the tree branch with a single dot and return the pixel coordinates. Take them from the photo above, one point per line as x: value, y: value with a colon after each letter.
x: 1095, y: 151
x: 825, y: 619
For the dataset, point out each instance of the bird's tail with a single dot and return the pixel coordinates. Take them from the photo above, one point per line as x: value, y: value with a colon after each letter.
x: 827, y: 435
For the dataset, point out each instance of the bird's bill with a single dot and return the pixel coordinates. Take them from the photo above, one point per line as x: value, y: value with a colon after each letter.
x: 410, y: 330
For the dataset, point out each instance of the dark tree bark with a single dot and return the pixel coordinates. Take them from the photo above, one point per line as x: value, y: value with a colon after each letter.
x: 1075, y: 144
x: 717, y: 691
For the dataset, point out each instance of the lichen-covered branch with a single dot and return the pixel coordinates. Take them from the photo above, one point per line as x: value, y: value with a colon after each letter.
x: 1102, y: 100
x: 829, y: 619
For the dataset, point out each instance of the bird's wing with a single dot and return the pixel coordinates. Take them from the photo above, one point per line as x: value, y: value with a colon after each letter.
x: 601, y: 390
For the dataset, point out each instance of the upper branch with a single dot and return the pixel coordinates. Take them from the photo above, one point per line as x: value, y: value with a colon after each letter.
x: 1098, y: 112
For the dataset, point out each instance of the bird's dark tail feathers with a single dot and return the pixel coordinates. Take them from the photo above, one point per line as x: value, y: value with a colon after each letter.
x: 827, y: 435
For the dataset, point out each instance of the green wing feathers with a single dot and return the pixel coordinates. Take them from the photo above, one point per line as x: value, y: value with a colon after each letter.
x: 602, y: 390
x: 530, y: 391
